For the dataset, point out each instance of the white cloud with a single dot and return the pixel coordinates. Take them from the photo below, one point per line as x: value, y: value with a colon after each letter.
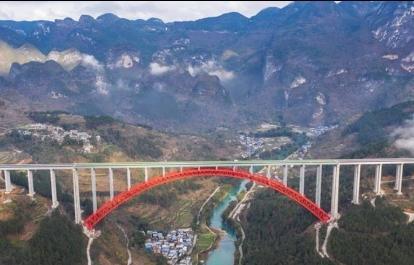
x: 101, y: 85
x: 89, y: 60
x: 50, y: 10
x: 299, y: 80
x: 68, y: 59
x: 211, y: 67
x: 158, y: 69
x: 405, y: 136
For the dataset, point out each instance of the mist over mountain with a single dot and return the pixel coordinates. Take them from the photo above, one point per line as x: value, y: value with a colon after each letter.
x: 309, y: 63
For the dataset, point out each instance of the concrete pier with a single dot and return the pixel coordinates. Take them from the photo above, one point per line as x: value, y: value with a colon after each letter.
x: 318, y: 185
x: 302, y: 180
x: 93, y: 183
x: 76, y: 197
x: 55, y: 202
x: 7, y: 180
x: 30, y: 186
x: 335, y: 192
x: 146, y: 173
x: 399, y: 177
x: 357, y: 179
x: 111, y: 183
x: 128, y: 178
x: 378, y: 176
x: 285, y: 175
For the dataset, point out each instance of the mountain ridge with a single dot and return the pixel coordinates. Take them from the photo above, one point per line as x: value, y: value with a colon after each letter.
x: 327, y: 61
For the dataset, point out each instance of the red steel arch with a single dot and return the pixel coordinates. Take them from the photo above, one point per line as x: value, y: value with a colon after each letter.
x: 109, y: 206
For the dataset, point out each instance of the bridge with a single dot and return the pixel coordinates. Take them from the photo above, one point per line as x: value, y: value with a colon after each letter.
x: 260, y: 171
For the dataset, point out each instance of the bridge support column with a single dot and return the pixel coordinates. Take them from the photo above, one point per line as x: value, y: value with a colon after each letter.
x: 30, y: 183
x: 302, y: 180
x: 251, y: 169
x: 357, y: 178
x: 163, y: 171
x: 335, y: 192
x: 129, y: 178
x: 111, y: 183
x: 399, y: 177
x: 181, y: 169
x: 318, y: 185
x: 285, y: 175
x: 55, y: 202
x: 378, y: 175
x: 76, y: 197
x: 268, y: 174
x: 93, y: 182
x: 146, y: 173
x: 7, y: 180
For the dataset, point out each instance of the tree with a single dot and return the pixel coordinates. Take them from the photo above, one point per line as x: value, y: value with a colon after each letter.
x: 58, y: 241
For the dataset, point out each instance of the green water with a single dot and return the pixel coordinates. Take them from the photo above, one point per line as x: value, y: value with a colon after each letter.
x: 224, y: 253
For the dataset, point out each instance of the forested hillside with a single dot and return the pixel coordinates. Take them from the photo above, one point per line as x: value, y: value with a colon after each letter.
x: 57, y: 241
x: 375, y: 232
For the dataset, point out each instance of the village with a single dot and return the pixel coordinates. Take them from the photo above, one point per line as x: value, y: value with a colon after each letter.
x: 252, y: 145
x: 46, y: 132
x: 176, y: 245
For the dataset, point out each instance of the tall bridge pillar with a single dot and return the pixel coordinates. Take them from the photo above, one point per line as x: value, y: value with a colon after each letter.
x: 146, y: 173
x: 318, y: 185
x: 93, y: 182
x: 285, y: 174
x: 302, y: 180
x: 111, y: 183
x: 357, y: 178
x: 268, y: 174
x: 30, y: 183
x: 335, y: 191
x: 7, y: 180
x: 55, y: 202
x: 128, y: 178
x: 76, y: 197
x: 399, y: 176
x: 378, y: 176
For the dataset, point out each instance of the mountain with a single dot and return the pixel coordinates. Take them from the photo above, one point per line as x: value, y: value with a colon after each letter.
x: 326, y: 61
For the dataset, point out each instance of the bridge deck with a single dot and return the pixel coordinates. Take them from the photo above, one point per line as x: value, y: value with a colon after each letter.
x: 241, y: 163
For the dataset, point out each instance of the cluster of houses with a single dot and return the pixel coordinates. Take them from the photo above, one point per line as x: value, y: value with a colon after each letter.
x: 58, y: 134
x: 318, y: 131
x: 252, y: 145
x: 176, y: 245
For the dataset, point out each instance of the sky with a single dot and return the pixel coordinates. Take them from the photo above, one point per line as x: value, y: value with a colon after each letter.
x: 167, y: 11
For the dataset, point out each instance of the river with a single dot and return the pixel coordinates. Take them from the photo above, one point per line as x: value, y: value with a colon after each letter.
x: 223, y: 254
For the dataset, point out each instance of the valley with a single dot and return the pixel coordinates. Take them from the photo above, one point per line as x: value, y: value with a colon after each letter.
x: 306, y: 81
x: 163, y: 209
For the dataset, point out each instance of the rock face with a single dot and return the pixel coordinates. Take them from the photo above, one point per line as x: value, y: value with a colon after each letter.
x: 311, y: 63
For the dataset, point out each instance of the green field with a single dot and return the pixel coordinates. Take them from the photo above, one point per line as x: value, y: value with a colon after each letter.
x: 205, y: 240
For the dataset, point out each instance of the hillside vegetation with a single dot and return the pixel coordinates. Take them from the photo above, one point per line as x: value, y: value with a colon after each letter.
x: 369, y: 235
x: 57, y: 241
